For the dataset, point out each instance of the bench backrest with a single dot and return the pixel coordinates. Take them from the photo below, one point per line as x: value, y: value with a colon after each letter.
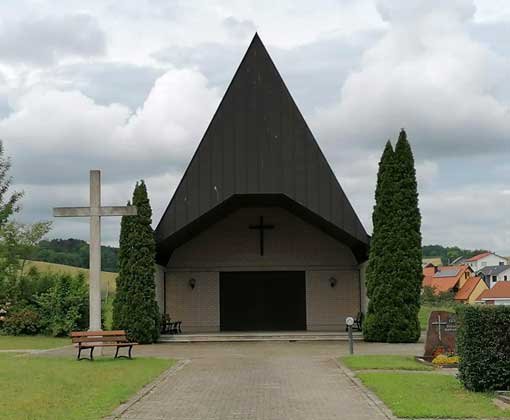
x: 99, y: 336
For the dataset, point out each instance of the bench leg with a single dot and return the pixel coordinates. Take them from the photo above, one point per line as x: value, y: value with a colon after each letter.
x: 91, y: 355
x: 123, y: 356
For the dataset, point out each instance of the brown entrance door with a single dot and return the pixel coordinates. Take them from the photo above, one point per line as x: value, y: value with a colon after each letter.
x: 263, y: 301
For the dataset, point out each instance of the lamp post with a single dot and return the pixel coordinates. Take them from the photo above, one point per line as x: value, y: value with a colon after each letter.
x: 349, y: 321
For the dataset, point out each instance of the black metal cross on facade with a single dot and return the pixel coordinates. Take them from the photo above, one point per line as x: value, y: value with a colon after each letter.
x: 261, y: 227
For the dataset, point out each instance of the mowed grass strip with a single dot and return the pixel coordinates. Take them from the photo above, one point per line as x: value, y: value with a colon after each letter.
x: 59, y: 388
x: 32, y: 342
x: 422, y: 395
x: 388, y: 362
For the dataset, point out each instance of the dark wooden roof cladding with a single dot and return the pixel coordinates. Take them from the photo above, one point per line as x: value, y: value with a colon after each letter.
x: 258, y: 144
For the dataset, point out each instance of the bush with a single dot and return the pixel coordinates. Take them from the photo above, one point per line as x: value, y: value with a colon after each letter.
x: 23, y: 322
x: 483, y: 344
x: 64, y: 307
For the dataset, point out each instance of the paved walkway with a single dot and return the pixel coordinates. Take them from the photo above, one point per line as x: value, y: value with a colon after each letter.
x: 262, y: 381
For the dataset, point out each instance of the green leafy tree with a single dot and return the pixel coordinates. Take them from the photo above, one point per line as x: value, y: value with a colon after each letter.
x: 135, y: 307
x: 408, y: 272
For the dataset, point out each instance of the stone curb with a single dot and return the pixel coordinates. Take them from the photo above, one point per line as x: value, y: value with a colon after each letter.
x: 371, y: 398
x: 147, y: 389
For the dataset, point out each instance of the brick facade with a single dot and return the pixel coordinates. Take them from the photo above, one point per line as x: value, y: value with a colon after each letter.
x: 230, y: 245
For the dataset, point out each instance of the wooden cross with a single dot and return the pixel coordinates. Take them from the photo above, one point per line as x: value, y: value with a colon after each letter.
x: 439, y: 323
x: 261, y: 227
x: 95, y: 212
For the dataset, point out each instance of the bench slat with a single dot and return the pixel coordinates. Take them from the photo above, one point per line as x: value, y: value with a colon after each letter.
x: 110, y: 345
x: 112, y: 338
x: 97, y: 333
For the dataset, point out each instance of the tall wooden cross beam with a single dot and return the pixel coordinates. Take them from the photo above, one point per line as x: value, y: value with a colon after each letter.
x: 95, y: 212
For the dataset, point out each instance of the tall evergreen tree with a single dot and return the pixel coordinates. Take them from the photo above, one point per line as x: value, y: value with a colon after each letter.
x: 135, y: 308
x: 408, y: 271
x: 380, y: 271
x: 394, y: 271
x: 120, y: 307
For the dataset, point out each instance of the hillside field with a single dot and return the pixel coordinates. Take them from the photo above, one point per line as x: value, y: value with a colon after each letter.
x: 107, y: 279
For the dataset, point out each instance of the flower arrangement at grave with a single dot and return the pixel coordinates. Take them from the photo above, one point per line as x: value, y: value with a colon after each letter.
x: 446, y: 360
x: 444, y: 356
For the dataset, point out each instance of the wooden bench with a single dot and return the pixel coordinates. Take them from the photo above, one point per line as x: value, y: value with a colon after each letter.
x: 89, y: 340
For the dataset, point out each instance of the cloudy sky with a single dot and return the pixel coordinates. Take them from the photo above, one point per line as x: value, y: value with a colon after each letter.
x: 129, y: 87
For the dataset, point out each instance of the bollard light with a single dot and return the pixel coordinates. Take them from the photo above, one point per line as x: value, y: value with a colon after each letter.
x: 349, y: 321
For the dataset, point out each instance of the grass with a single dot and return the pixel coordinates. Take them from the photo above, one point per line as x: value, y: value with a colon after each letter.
x: 58, y: 388
x: 388, y: 362
x: 29, y: 342
x: 419, y: 395
x: 108, y: 280
x: 425, y: 311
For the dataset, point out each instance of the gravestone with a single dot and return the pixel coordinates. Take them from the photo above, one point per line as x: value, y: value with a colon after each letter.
x: 441, y: 334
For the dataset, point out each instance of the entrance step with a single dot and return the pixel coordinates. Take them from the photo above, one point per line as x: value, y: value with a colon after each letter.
x: 258, y: 336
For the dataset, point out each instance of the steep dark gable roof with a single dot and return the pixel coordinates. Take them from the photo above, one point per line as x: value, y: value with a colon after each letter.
x: 258, y: 145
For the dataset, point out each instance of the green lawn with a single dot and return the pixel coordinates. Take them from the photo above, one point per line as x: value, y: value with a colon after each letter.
x: 383, y: 362
x: 425, y: 311
x: 60, y: 388
x: 31, y: 342
x: 422, y: 395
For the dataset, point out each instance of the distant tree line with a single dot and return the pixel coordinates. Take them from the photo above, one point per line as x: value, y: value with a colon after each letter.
x: 448, y: 253
x: 74, y: 252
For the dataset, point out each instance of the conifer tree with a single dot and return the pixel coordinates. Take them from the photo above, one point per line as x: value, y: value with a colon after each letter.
x: 408, y: 272
x: 135, y: 309
x: 394, y: 272
x: 382, y: 245
x: 119, y: 304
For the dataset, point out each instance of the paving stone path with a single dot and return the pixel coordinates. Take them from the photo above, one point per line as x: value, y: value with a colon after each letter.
x: 262, y: 381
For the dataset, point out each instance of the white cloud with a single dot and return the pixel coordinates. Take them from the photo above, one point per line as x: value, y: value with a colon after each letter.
x: 56, y: 134
x: 44, y: 40
x: 425, y: 74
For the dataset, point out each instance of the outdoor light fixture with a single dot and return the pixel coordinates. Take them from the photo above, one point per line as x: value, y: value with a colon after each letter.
x: 192, y: 282
x: 332, y: 281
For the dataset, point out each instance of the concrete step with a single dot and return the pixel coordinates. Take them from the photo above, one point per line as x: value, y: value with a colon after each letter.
x: 258, y: 336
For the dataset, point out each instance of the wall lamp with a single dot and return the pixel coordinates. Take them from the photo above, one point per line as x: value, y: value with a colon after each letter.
x: 332, y: 281
x: 192, y: 282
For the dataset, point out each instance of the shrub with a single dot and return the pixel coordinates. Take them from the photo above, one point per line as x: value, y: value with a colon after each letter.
x: 483, y: 344
x: 23, y: 322
x: 64, y: 307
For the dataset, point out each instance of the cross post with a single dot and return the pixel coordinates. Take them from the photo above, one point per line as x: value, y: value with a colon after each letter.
x: 95, y: 212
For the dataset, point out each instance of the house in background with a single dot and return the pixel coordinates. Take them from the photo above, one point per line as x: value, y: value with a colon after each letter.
x: 458, y: 280
x: 494, y: 273
x: 485, y: 259
x: 470, y: 290
x: 498, y: 295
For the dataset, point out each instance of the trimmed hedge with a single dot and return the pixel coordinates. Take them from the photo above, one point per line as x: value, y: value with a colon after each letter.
x: 483, y: 344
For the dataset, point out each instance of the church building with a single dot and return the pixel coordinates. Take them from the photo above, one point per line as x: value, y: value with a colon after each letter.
x: 259, y: 235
